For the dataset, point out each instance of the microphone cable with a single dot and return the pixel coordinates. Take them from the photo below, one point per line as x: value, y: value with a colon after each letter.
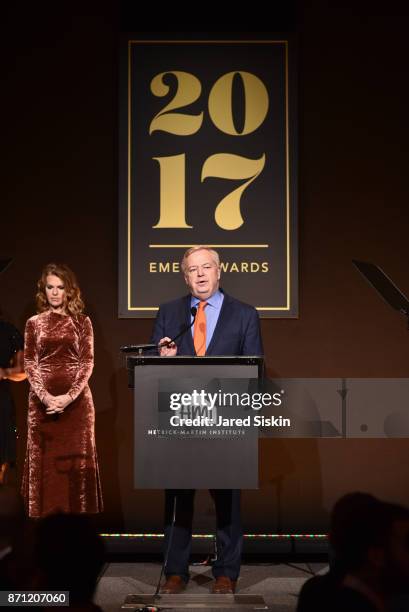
x: 165, y: 561
x: 193, y: 312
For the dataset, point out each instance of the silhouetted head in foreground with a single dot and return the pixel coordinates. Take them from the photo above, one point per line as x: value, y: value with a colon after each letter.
x: 69, y: 555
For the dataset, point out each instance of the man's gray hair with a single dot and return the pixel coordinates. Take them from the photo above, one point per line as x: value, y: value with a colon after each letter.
x: 200, y: 247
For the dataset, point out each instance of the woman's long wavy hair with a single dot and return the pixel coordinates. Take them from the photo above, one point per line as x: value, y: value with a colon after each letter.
x: 73, y: 301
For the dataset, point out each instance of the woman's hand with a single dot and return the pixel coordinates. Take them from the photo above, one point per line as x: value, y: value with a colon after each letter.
x: 56, y: 404
x: 50, y: 404
x: 62, y: 401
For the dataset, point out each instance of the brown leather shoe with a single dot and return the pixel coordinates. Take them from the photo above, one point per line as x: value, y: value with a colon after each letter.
x: 173, y: 585
x: 224, y: 585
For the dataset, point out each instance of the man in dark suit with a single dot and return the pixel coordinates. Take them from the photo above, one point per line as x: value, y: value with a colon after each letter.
x: 223, y: 326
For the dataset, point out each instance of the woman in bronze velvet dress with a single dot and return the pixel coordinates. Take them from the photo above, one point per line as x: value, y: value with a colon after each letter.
x: 61, y: 469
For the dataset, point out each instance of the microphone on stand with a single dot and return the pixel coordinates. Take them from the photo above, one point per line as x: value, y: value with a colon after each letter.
x: 140, y: 348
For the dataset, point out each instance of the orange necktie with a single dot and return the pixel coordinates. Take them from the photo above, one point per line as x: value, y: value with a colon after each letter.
x: 199, y: 332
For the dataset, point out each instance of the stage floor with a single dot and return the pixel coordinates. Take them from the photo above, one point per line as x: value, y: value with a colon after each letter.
x: 278, y: 583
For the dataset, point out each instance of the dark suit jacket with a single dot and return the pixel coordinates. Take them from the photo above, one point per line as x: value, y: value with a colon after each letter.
x: 237, y: 330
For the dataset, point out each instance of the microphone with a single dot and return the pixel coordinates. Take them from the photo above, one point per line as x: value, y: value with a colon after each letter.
x: 193, y: 312
x: 137, y: 348
x: 140, y: 348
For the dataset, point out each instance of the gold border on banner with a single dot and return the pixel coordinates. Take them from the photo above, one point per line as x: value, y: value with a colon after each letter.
x: 186, y: 246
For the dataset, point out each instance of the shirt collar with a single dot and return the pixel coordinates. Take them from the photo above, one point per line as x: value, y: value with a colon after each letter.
x: 214, y: 300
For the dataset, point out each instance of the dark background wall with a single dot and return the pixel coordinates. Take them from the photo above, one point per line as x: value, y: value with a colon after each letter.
x: 59, y: 202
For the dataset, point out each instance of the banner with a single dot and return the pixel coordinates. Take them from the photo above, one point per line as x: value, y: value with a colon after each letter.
x: 207, y: 155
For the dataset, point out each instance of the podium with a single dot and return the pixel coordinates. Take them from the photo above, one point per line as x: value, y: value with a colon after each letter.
x: 193, y: 457
x: 166, y: 458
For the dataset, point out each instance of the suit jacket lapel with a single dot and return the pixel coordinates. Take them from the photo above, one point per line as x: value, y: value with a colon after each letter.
x: 221, y: 321
x: 189, y: 337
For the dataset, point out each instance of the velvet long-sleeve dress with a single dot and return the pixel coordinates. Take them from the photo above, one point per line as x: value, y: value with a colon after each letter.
x: 61, y: 468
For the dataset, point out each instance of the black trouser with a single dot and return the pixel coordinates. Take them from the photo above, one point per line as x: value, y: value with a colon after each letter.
x: 228, y: 532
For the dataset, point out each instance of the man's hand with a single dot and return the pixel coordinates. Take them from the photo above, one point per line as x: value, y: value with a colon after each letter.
x: 2, y: 373
x: 168, y: 351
